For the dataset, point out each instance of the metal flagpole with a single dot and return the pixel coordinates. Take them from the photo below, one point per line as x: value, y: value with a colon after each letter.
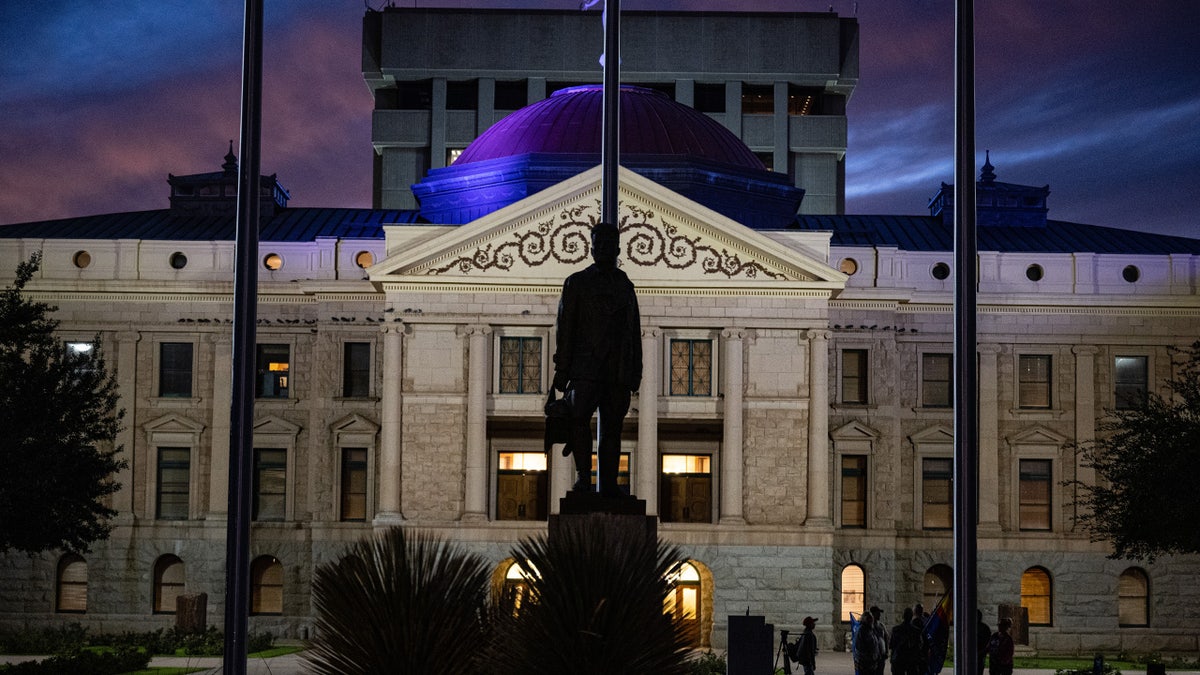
x: 966, y: 374
x: 611, y: 135
x: 245, y: 312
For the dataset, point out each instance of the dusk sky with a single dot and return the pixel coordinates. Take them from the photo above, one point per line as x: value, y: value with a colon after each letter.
x: 1100, y: 99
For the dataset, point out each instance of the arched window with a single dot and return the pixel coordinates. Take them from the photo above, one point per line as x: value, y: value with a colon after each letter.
x: 72, y: 584
x: 1133, y: 598
x: 1036, y: 596
x: 266, y: 585
x: 935, y: 584
x: 516, y: 582
x: 854, y: 586
x: 168, y: 583
x: 684, y: 600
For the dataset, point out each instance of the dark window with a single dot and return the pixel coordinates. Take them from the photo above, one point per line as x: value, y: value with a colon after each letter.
x: 462, y: 95
x: 854, y: 491
x: 168, y: 583
x: 1133, y: 598
x: 72, y: 584
x: 854, y: 376
x: 175, y: 369
x: 1033, y: 381
x: 1131, y: 381
x: 520, y: 365
x: 685, y: 489
x: 937, y: 490
x: 174, y: 467
x: 522, y: 486
x: 416, y: 95
x: 709, y: 97
x: 511, y: 94
x: 1034, y: 494
x: 270, y: 484
x: 937, y: 380
x: 758, y: 99
x: 354, y: 484
x: 691, y: 367
x: 356, y: 370
x: 273, y: 363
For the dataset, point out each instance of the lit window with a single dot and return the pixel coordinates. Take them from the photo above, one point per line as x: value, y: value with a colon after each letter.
x: 758, y: 99
x: 691, y: 367
x: 1131, y: 381
x: 270, y: 484
x: 173, y: 479
x: 72, y: 584
x: 356, y: 370
x: 1036, y: 596
x: 685, y: 490
x: 452, y: 155
x: 1033, y: 381
x: 522, y: 486
x: 937, y: 491
x: 272, y: 365
x: 1034, y: 494
x: 854, y: 376
x: 516, y: 584
x: 520, y: 365
x: 175, y: 369
x: 364, y: 259
x: 683, y: 601
x: 273, y: 261
x: 854, y: 586
x: 354, y: 484
x: 1133, y: 598
x: 854, y: 491
x: 933, y: 587
x: 168, y: 583
x: 937, y: 380
x: 848, y: 266
x: 266, y: 586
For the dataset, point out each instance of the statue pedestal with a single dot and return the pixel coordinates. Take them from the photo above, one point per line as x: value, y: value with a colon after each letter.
x: 627, y: 512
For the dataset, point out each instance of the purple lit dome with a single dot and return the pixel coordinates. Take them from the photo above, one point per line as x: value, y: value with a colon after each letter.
x: 570, y: 122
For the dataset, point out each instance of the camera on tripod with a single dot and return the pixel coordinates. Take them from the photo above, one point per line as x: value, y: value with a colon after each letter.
x: 790, y: 651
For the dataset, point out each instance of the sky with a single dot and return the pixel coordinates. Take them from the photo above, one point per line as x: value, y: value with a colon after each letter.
x: 1099, y: 99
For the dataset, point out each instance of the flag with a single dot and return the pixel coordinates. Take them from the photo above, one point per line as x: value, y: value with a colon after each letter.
x: 937, y: 634
x: 854, y: 623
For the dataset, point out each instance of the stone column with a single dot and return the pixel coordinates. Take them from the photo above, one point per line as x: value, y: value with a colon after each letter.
x: 221, y: 345
x: 732, y: 461
x: 390, y: 430
x: 819, y: 478
x: 126, y: 367
x: 1085, y: 416
x: 989, y: 440
x: 475, y: 469
x: 647, y: 446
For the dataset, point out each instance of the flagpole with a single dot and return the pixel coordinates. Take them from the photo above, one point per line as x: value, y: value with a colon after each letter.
x: 610, y: 138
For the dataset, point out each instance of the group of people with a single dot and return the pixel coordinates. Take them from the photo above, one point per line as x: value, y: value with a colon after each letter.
x: 913, y: 650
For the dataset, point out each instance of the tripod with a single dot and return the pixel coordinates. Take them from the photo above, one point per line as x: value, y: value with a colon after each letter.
x: 783, y: 651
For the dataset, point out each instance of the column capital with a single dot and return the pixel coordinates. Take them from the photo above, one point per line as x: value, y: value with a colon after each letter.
x: 472, y: 329
x: 990, y: 349
x: 651, y: 333
x: 815, y: 334
x: 222, y: 338
x: 734, y: 334
x: 129, y: 336
x: 1085, y: 350
x: 397, y: 327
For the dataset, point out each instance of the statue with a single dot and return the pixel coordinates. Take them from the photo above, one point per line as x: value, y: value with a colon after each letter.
x: 598, y: 359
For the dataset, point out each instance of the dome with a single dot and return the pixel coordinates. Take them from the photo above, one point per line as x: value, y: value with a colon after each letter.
x: 571, y: 120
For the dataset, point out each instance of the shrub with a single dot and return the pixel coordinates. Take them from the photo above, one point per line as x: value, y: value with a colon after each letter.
x: 65, y: 639
x: 83, y: 663
x: 708, y: 663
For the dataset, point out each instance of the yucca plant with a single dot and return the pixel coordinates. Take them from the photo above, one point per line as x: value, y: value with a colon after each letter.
x: 401, y: 602
x: 594, y: 606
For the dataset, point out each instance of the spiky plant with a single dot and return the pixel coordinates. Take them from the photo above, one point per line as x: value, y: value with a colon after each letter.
x: 401, y: 602
x: 595, y: 605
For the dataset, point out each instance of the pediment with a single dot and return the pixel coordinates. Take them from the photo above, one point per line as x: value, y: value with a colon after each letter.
x: 936, y: 434
x: 172, y: 424
x: 854, y: 431
x: 354, y: 424
x: 1037, y: 436
x: 272, y: 425
x: 667, y: 241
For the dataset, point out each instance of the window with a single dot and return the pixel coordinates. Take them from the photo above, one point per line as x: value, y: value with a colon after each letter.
x: 937, y: 580
x: 758, y: 99
x: 81, y: 354
x: 354, y: 484
x: 266, y: 585
x: 175, y: 369
x: 622, y: 473
x: 1033, y: 381
x: 854, y: 491
x: 1034, y: 511
x: 173, y: 480
x: 356, y: 370
x: 516, y: 584
x: 72, y: 584
x: 522, y: 486
x: 854, y: 586
x: 1131, y: 381
x: 1036, y: 595
x: 272, y: 364
x: 270, y: 484
x: 937, y: 490
x: 1133, y: 598
x: 685, y: 489
x: 168, y: 583
x: 463, y: 95
x: 709, y: 97
x: 520, y: 365
x: 683, y: 601
x: 691, y: 367
x: 511, y: 95
x: 854, y: 376
x: 937, y: 380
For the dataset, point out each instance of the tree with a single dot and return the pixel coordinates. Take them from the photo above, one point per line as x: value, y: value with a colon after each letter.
x: 1147, y: 460
x: 58, y: 421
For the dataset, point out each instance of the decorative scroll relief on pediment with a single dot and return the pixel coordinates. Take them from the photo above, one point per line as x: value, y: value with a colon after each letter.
x: 648, y: 240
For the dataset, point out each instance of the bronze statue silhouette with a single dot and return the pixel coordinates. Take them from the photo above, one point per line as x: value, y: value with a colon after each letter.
x: 598, y: 359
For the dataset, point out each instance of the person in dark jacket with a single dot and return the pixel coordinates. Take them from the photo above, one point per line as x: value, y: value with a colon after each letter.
x: 1000, y: 649
x: 906, y: 641
x: 807, y: 650
x: 598, y: 358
